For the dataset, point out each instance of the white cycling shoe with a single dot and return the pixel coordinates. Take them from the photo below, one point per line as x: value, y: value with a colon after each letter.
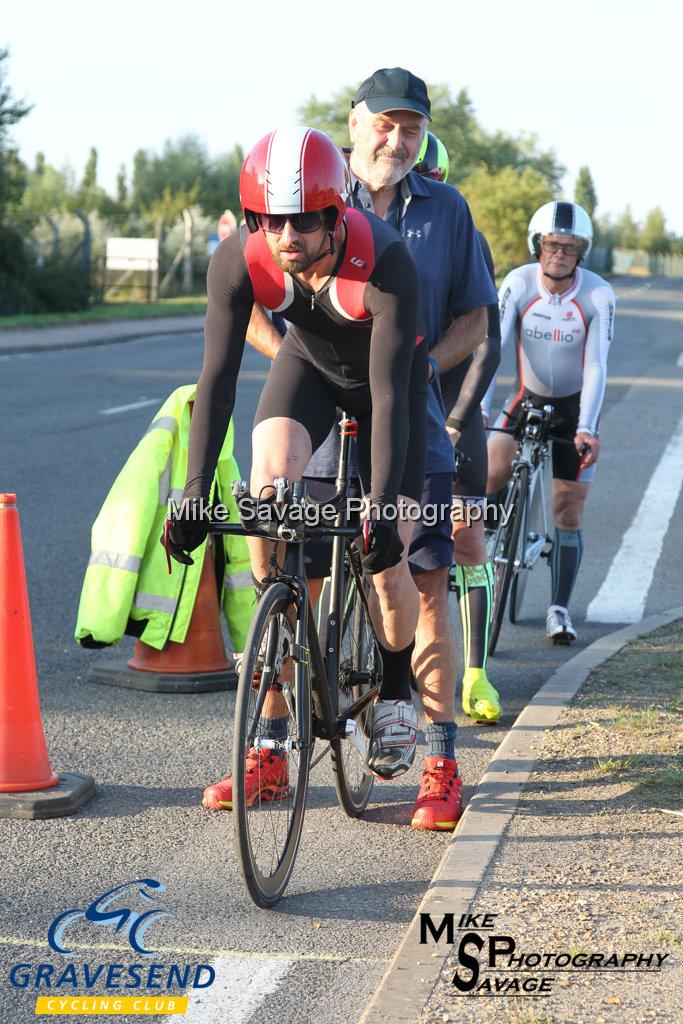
x: 558, y: 625
x: 394, y: 738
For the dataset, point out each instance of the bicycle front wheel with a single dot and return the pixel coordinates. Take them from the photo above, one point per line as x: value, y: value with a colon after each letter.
x: 272, y: 748
x: 504, y: 552
x: 532, y: 533
x: 359, y: 671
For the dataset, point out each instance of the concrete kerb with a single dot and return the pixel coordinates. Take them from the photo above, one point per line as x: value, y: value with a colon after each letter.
x: 414, y: 970
x: 50, y: 339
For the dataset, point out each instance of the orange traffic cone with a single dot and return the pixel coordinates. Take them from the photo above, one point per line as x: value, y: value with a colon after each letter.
x: 198, y: 665
x: 24, y: 765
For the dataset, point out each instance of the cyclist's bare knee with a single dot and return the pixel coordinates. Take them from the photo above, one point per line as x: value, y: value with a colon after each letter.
x: 469, y: 543
x: 280, y: 447
x: 501, y: 452
x: 569, y: 498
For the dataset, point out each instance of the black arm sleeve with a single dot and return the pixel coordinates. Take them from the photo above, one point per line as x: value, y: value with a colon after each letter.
x: 391, y: 295
x: 231, y: 299
x: 484, y: 362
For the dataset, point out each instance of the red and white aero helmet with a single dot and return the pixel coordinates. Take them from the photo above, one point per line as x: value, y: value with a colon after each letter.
x: 294, y: 170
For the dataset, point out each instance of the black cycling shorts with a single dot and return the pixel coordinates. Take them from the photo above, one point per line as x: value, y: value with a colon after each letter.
x: 472, y: 475
x: 297, y: 389
x: 565, y: 419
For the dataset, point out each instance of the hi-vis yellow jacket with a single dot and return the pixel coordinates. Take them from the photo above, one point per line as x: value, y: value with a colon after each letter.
x: 127, y: 575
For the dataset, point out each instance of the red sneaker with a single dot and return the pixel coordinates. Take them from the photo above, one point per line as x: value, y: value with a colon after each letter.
x: 266, y: 780
x: 439, y: 802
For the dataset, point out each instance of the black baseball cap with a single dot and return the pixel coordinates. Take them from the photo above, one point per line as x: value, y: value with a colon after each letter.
x: 394, y: 89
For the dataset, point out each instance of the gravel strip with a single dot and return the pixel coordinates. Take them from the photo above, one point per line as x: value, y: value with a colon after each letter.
x: 591, y: 862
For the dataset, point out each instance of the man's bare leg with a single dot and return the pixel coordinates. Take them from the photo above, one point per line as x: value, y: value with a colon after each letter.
x: 394, y: 600
x: 474, y: 584
x: 435, y: 659
x: 280, y: 447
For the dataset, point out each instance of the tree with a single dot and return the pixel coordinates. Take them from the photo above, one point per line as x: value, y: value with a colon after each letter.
x: 454, y: 121
x: 605, y: 231
x: 627, y: 230
x: 653, y: 234
x: 169, y: 205
x: 90, y: 197
x: 502, y: 204
x: 179, y: 167
x: 221, y: 189
x: 331, y: 116
x: 121, y: 186
x: 47, y: 191
x: 584, y: 191
x: 12, y: 170
x: 90, y: 173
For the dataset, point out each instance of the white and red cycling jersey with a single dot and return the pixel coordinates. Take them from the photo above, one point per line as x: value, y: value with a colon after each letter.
x: 562, y: 340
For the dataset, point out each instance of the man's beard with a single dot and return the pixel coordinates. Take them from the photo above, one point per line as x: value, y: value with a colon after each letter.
x: 382, y: 174
x: 304, y: 262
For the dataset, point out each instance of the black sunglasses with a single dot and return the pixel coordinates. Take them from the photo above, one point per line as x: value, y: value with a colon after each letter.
x: 302, y: 223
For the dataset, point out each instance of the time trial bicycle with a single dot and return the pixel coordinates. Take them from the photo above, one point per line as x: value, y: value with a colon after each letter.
x: 296, y: 686
x: 521, y: 536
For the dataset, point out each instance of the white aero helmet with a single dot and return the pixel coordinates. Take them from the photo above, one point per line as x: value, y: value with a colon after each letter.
x: 560, y: 218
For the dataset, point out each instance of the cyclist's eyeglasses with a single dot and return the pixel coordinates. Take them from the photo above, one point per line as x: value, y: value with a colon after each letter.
x: 567, y: 247
x: 302, y: 223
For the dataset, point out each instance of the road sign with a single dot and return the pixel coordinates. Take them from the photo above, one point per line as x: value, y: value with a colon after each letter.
x: 132, y: 254
x: 226, y: 224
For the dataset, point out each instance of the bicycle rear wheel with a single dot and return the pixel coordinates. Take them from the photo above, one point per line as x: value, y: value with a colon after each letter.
x: 534, y: 526
x: 504, y: 552
x: 359, y: 671
x: 272, y: 748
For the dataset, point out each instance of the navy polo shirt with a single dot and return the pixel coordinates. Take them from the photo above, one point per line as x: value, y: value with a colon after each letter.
x: 438, y: 230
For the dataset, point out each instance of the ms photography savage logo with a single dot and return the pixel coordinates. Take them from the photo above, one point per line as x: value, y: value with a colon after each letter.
x: 492, y: 964
x: 127, y: 911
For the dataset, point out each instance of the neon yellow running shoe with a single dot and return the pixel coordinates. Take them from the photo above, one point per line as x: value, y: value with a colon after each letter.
x: 479, y: 699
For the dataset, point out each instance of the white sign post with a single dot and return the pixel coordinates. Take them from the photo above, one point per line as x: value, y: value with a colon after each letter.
x: 133, y: 254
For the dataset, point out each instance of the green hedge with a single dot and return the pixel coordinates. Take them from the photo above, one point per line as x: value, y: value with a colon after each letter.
x: 29, y: 287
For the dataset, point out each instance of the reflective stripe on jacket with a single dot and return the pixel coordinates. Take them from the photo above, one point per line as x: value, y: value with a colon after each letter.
x: 127, y: 575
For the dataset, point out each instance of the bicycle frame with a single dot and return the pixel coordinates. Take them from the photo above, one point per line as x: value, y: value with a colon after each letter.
x: 325, y: 668
x: 533, y: 455
x: 532, y: 452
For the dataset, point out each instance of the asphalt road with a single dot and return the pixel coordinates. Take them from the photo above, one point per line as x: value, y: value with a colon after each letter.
x: 320, y: 954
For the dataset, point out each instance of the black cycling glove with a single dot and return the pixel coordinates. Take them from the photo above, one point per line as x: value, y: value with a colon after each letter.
x: 185, y: 531
x: 380, y: 545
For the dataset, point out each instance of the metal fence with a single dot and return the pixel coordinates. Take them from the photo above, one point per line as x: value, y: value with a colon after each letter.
x: 640, y: 263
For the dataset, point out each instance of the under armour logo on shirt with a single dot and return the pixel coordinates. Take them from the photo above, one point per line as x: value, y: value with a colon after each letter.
x: 413, y: 233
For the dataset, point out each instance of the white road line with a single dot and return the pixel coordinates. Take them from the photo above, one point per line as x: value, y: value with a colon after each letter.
x: 238, y: 991
x: 623, y: 594
x: 679, y: 361
x: 127, y: 408
x: 205, y: 952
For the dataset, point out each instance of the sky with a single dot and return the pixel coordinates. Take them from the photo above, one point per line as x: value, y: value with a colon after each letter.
x: 597, y: 80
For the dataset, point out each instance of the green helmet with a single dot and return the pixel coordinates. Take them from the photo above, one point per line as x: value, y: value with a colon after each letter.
x: 432, y: 160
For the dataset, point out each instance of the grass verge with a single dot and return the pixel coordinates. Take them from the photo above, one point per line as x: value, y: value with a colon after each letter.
x: 185, y: 305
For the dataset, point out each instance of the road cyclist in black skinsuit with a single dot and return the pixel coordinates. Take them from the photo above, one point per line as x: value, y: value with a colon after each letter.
x: 344, y: 281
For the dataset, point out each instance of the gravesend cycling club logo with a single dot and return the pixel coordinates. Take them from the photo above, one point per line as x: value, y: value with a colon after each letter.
x: 491, y: 963
x: 120, y: 917
x: 103, y: 912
